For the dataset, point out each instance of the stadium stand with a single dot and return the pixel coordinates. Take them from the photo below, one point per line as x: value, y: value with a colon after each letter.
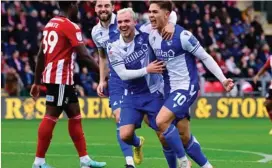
x: 235, y: 39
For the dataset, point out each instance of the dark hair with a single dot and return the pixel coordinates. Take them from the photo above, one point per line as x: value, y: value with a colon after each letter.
x: 166, y: 4
x: 112, y: 2
x: 64, y: 5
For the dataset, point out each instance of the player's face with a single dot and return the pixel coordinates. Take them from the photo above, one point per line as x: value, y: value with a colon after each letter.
x: 126, y: 24
x: 157, y: 16
x: 104, y: 9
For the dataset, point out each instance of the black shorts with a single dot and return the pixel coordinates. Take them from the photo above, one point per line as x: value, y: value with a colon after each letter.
x: 268, y: 95
x: 60, y: 95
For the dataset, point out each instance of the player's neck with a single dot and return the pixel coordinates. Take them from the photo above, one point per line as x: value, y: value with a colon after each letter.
x: 65, y: 14
x: 161, y: 28
x: 106, y: 24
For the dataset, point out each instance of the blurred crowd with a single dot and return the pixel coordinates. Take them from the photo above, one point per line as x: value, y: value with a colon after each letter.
x: 234, y: 38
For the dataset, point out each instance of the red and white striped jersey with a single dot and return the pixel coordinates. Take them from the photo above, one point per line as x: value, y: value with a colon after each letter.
x: 268, y: 64
x: 60, y: 36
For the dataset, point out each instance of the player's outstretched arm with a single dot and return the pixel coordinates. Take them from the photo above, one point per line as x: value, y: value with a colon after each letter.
x: 214, y: 68
x: 35, y: 89
x: 192, y: 45
x: 84, y: 58
x: 261, y: 71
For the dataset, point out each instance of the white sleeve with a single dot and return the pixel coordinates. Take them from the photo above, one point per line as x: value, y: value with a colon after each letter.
x: 173, y: 17
x: 192, y: 45
x: 118, y: 65
x: 146, y: 28
x: 94, y: 40
x: 210, y: 63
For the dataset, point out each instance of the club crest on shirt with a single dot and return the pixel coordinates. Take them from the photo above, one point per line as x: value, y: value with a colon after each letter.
x: 169, y: 42
x: 140, y: 40
x: 79, y: 36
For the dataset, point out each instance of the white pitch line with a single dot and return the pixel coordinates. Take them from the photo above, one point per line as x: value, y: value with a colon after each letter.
x: 120, y: 157
x: 267, y: 157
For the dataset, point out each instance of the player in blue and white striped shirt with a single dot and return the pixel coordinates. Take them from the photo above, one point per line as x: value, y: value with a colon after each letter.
x: 130, y: 55
x: 180, y: 83
x: 101, y: 33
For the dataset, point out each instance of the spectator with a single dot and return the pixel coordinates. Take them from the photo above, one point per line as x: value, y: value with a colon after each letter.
x: 87, y: 82
x: 232, y: 67
x: 251, y: 39
x: 13, y: 82
x: 257, y: 26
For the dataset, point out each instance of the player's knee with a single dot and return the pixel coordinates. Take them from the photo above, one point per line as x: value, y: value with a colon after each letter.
x: 126, y: 135
x: 185, y: 138
x: 161, y: 124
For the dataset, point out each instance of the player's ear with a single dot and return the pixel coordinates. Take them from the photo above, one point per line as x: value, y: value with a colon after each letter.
x: 167, y: 13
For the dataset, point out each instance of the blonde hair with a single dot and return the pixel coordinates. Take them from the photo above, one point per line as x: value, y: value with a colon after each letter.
x: 130, y: 10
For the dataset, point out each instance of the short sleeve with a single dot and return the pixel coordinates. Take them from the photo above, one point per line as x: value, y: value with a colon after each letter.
x: 115, y: 57
x: 94, y: 39
x: 189, y: 41
x: 146, y: 28
x: 73, y: 33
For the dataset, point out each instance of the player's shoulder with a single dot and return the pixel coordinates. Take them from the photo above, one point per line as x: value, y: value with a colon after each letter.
x: 181, y: 30
x: 95, y: 29
x: 66, y: 24
x: 114, y: 44
x: 115, y: 39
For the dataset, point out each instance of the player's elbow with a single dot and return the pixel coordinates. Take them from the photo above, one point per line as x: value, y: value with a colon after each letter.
x: 123, y: 76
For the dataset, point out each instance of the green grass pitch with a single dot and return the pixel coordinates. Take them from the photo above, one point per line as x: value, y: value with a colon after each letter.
x: 227, y: 143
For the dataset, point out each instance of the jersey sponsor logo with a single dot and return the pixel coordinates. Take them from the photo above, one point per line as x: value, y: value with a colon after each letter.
x: 49, y: 98
x: 164, y: 55
x: 138, y: 54
x: 169, y: 42
x: 79, y: 36
x: 140, y: 40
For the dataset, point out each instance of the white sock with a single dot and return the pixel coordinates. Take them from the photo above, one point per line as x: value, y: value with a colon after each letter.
x: 207, y: 165
x: 184, y: 158
x: 85, y: 159
x: 39, y: 161
x: 129, y: 160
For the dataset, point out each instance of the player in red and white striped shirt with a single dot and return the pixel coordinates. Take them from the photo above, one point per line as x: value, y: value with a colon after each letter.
x: 61, y: 40
x: 268, y: 101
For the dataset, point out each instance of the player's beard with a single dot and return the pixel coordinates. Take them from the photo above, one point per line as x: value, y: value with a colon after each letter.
x: 105, y: 19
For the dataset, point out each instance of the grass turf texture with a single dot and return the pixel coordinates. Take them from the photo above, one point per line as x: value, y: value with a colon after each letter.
x: 225, y: 142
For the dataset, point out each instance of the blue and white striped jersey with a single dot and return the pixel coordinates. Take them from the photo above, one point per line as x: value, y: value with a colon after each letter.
x: 178, y: 55
x: 134, y: 56
x: 101, y: 37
